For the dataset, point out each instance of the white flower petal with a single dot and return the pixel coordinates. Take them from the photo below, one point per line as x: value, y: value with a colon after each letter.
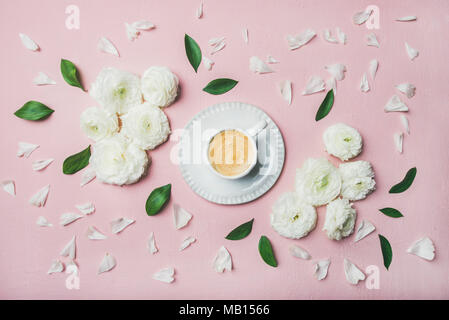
x: 270, y: 59
x: 299, y: 252
x: 321, y: 268
x: 405, y: 123
x: 42, y: 79
x: 395, y: 104
x: 245, y: 35
x: 412, y: 53
x: 328, y: 36
x: 208, y: 63
x: 361, y: 17
x: 340, y: 219
x: 25, y: 149
x: 40, y: 197
x: 357, y: 180
x: 342, y: 141
x: 165, y: 275
x: 159, y: 86
x: 364, y: 85
x: 68, y: 218
x: 286, y: 90
x: 407, y: 88
x: 365, y: 228
x: 314, y: 84
x: 407, y: 18
x: 9, y: 186
x: 56, y: 266
x: 398, y: 139
x: 219, y: 46
x: 223, y: 260
x: 41, y: 164
x: 131, y: 32
x: 88, y: 175
x: 120, y: 224
x: 336, y: 70
x: 199, y: 11
x: 28, y: 42
x: 107, y: 264
x: 371, y: 40
x: 86, y: 208
x: 69, y: 249
x: 216, y: 41
x: 341, y: 36
x: 94, y: 234
x: 186, y: 243
x: 295, y: 42
x: 258, y: 66
x: 107, y: 46
x: 373, y: 66
x: 423, y: 248
x: 353, y: 274
x: 43, y: 222
x: 143, y: 25
x: 152, y: 244
x: 180, y: 216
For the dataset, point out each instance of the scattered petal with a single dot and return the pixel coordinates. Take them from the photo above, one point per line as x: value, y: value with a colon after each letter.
x: 321, y: 268
x: 120, y: 224
x: 152, y: 244
x: 337, y: 70
x: 371, y: 40
x: 106, y: 46
x: 286, y: 90
x: 223, y: 260
x: 341, y: 36
x: 68, y: 218
x: 41, y: 164
x: 86, y: 208
x: 199, y: 11
x: 364, y: 229
x: 28, y: 42
x: 42, y: 79
x: 143, y: 25
x: 373, y: 66
x: 107, y: 264
x: 407, y: 18
x: 131, y: 32
x: 258, y: 66
x: 165, y: 275
x: 395, y: 104
x: 69, y: 249
x: 361, y: 17
x: 25, y: 149
x: 407, y: 88
x: 364, y: 85
x: 186, y: 243
x: 56, y: 266
x: 328, y: 36
x: 208, y: 63
x: 398, y: 139
x: 94, y: 234
x: 404, y: 121
x: 299, y: 252
x: 88, y: 175
x: 315, y: 84
x: 43, y: 222
x: 9, y: 186
x: 353, y: 274
x: 412, y: 53
x: 423, y: 248
x: 181, y: 216
x: 216, y: 41
x: 331, y: 83
x: 295, y: 42
x: 40, y: 197
x: 270, y: 59
x: 245, y: 35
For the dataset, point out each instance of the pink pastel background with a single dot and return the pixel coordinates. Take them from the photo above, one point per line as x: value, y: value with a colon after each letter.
x: 28, y: 250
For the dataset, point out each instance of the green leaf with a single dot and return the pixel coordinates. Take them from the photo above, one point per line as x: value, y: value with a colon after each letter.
x: 220, y: 86
x: 76, y: 162
x: 405, y: 183
x: 266, y: 252
x: 387, y: 253
x: 325, y: 106
x: 34, y: 110
x: 193, y: 52
x: 241, y: 232
x: 391, y: 212
x: 157, y: 199
x: 70, y: 73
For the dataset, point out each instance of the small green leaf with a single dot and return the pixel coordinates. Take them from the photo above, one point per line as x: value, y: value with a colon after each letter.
x: 157, y: 199
x: 405, y: 183
x: 220, y: 86
x: 387, y: 253
x: 266, y: 252
x: 242, y: 231
x: 70, y: 73
x: 34, y: 110
x: 76, y: 162
x: 325, y: 106
x: 193, y: 52
x: 391, y: 212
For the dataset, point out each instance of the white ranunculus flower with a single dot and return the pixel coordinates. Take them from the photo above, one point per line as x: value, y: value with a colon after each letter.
x: 159, y: 86
x: 318, y: 182
x: 146, y: 125
x: 98, y: 123
x: 357, y: 180
x: 118, y: 161
x: 342, y: 141
x: 291, y: 217
x: 117, y: 91
x: 340, y: 219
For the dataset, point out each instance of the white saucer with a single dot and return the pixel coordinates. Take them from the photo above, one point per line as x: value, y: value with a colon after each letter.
x: 271, y: 154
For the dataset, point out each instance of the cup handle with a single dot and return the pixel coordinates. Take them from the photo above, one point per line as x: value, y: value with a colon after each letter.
x: 257, y: 128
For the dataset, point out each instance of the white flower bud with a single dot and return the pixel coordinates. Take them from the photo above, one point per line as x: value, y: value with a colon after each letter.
x: 342, y: 141
x: 159, y: 86
x: 340, y: 219
x: 98, y: 123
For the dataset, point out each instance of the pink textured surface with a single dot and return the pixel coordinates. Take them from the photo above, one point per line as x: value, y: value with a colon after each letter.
x: 27, y: 250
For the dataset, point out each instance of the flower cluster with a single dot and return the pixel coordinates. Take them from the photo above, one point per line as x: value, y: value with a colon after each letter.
x: 130, y: 121
x: 318, y: 182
